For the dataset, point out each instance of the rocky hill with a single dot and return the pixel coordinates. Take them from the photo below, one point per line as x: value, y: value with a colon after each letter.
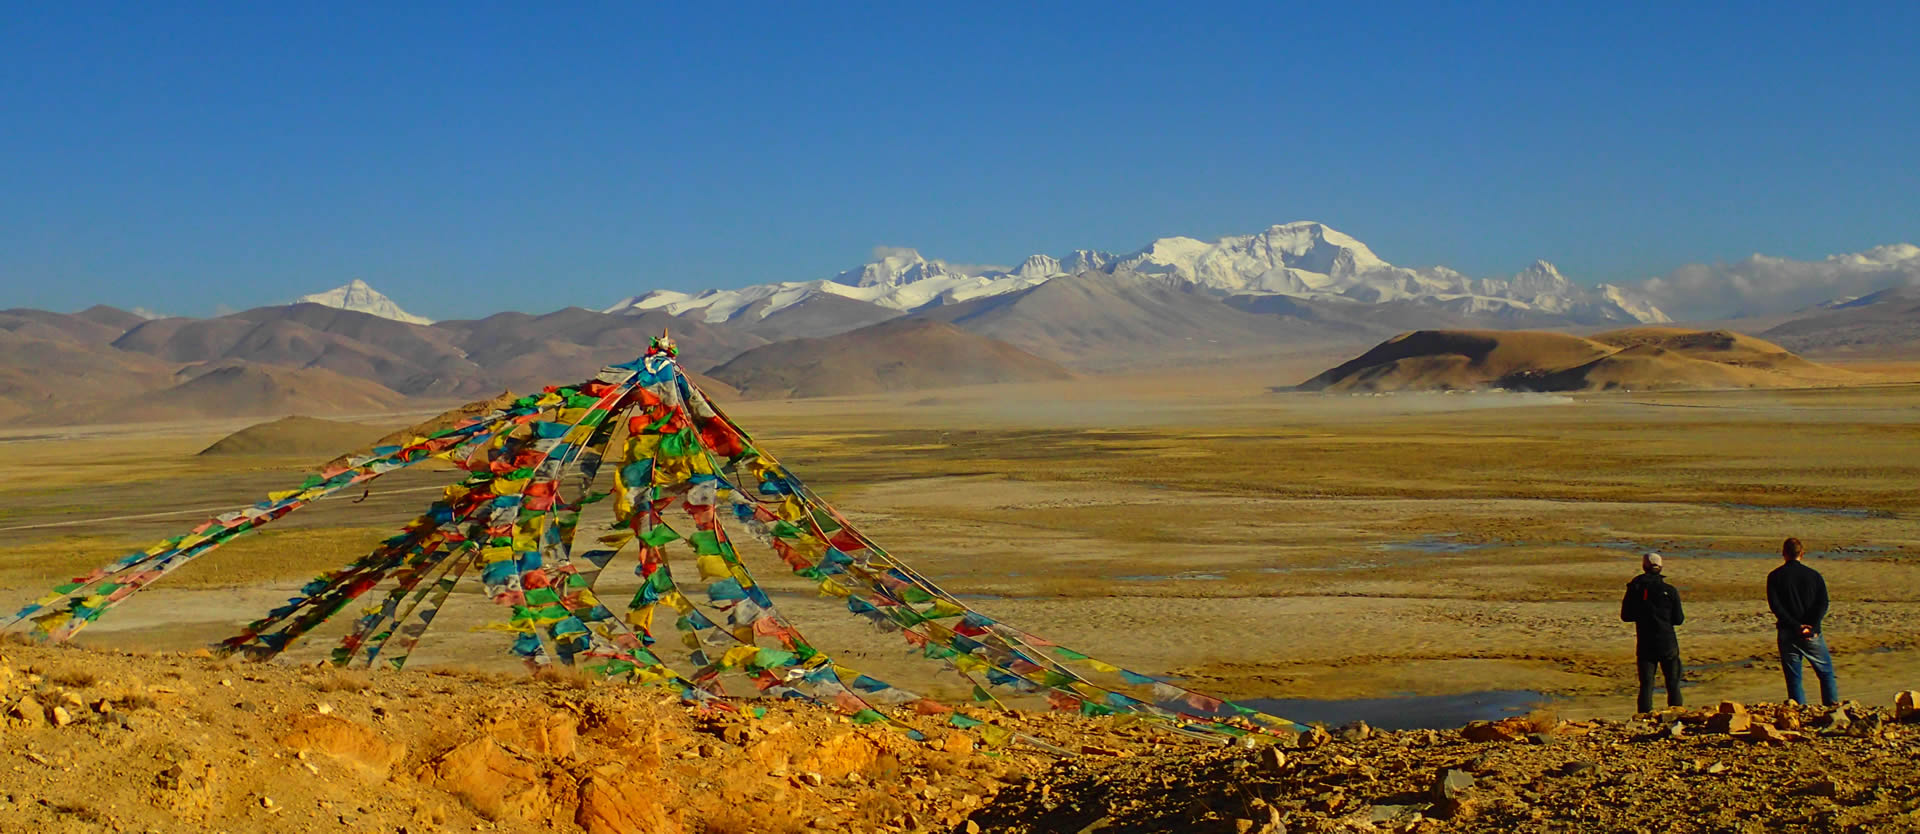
x: 1634, y: 359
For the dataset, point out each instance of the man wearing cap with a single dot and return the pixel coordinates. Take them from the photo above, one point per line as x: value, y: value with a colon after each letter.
x: 1653, y: 607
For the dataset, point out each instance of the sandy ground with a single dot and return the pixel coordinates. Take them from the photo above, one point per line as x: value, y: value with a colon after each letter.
x: 1260, y: 544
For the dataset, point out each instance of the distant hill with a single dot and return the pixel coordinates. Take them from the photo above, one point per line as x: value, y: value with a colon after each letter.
x: 1885, y: 323
x: 309, y: 436
x: 240, y: 389
x: 1633, y: 359
x: 899, y: 355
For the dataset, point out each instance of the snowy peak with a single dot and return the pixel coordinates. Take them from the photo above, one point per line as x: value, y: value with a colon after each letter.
x: 894, y: 266
x: 357, y: 296
x: 1303, y: 259
x: 1038, y: 266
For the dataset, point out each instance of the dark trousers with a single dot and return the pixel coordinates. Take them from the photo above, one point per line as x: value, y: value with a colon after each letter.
x: 1669, y: 668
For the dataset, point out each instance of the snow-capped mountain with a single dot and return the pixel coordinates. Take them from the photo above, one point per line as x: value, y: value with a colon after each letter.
x: 360, y: 298
x: 1302, y: 259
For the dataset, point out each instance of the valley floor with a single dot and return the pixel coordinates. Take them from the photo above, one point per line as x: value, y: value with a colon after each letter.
x: 1261, y: 545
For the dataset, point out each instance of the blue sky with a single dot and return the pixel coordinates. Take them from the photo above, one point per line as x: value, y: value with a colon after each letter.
x: 468, y: 158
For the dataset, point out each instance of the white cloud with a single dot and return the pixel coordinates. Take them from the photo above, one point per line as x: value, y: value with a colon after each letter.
x: 1760, y: 285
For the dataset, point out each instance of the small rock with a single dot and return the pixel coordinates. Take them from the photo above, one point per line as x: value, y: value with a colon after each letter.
x: 1576, y: 767
x: 1730, y: 723
x: 1731, y: 708
x: 1312, y: 737
x: 1820, y: 787
x: 266, y: 802
x: 1488, y: 731
x: 1328, y: 802
x: 1357, y: 731
x: 1449, y: 783
x: 1906, y: 705
x: 1834, y: 722
x: 1097, y: 750
x: 1388, y: 813
x: 60, y: 716
x: 812, y: 779
x: 226, y: 682
x: 1764, y: 733
x: 28, y: 710
x: 1716, y: 768
x: 324, y: 709
x: 1271, y: 760
x: 1539, y: 738
x: 1453, y: 809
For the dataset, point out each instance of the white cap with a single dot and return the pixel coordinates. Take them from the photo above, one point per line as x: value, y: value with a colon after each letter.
x: 1650, y: 558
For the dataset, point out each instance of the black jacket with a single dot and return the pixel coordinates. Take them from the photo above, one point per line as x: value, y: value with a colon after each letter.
x: 1653, y: 607
x: 1798, y: 596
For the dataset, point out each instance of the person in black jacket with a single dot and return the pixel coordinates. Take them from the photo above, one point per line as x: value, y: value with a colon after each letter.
x: 1798, y: 596
x: 1653, y: 607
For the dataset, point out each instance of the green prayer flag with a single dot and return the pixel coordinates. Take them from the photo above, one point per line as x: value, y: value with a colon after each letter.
x: 659, y: 535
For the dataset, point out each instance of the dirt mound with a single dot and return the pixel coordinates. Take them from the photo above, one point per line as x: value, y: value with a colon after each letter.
x: 1635, y: 359
x: 295, y: 435
x: 899, y: 355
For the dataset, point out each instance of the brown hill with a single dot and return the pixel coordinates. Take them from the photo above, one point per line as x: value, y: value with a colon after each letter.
x: 310, y: 436
x: 1634, y: 359
x: 238, y: 390
x: 898, y: 355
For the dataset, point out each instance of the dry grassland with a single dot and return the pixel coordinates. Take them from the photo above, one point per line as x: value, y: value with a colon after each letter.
x: 1261, y: 544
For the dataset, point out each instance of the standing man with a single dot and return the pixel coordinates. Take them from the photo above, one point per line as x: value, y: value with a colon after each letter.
x: 1798, y: 596
x: 1653, y: 607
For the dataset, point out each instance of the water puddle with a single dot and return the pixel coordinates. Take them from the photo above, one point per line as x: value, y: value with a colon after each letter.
x: 1183, y: 576
x: 1849, y: 552
x: 1832, y: 512
x: 1406, y: 712
x: 1438, y: 543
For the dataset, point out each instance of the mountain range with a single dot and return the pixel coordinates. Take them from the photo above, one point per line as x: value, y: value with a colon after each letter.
x: 1304, y: 260
x: 900, y: 322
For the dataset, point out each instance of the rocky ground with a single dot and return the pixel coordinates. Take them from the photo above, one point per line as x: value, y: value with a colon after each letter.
x: 98, y: 741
